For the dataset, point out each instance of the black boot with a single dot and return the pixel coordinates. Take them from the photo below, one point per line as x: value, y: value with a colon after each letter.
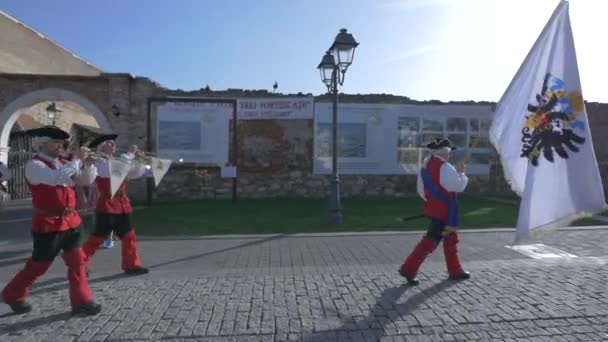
x: 136, y: 270
x: 411, y: 281
x: 462, y: 276
x: 20, y: 307
x: 87, y: 309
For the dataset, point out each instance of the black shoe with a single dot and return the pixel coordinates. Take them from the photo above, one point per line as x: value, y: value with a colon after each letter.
x: 463, y: 276
x: 20, y: 307
x: 87, y: 309
x: 410, y: 281
x: 136, y: 270
x: 88, y: 272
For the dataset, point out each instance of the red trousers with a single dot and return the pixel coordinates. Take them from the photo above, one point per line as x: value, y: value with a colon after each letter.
x: 46, y: 247
x: 121, y: 225
x: 428, y: 244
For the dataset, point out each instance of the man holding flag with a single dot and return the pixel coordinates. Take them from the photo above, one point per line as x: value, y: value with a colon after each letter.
x: 438, y: 183
x: 542, y: 135
x: 113, y: 212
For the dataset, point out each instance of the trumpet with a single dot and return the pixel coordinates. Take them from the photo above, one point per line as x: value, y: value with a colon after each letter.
x: 135, y: 154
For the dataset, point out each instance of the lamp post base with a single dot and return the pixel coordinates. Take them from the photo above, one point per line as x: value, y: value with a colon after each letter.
x: 335, y: 211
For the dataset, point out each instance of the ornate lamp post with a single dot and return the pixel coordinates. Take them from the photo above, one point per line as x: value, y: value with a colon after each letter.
x: 332, y: 74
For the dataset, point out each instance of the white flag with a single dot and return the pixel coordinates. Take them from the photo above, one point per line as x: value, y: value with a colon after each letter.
x: 542, y: 134
x: 159, y: 168
x: 119, y: 169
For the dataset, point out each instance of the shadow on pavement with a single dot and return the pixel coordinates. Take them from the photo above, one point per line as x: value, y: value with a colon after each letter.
x: 62, y: 283
x: 31, y: 324
x: 384, y: 311
x: 243, y: 245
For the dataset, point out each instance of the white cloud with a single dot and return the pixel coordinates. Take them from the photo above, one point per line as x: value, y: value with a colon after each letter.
x: 415, y: 4
x: 413, y: 53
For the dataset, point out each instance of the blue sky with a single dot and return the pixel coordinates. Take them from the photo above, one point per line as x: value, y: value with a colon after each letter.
x: 424, y: 49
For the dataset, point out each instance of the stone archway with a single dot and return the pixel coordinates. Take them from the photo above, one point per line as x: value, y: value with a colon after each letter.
x: 9, y: 114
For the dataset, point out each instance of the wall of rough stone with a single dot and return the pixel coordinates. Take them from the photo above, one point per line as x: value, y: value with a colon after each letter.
x: 275, y: 156
x: 186, y: 183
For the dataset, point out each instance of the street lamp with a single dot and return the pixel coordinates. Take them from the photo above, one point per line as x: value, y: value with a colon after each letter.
x: 52, y: 112
x: 332, y: 74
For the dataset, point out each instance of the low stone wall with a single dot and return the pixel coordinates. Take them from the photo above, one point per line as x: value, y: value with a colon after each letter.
x: 193, y: 183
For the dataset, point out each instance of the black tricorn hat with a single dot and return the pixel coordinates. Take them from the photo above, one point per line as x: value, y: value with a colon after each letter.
x: 100, y: 139
x: 441, y: 143
x: 52, y: 132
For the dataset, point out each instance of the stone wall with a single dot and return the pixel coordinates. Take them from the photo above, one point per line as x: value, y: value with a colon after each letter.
x: 275, y: 156
x: 270, y: 147
x: 192, y: 183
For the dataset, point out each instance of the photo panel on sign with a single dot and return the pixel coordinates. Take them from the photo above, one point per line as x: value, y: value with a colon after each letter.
x: 366, y: 139
x: 194, y: 132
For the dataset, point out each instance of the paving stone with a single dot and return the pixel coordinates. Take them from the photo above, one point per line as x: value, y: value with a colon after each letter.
x: 329, y: 289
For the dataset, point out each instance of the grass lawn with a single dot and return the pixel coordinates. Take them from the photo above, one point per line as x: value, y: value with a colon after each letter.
x: 260, y: 216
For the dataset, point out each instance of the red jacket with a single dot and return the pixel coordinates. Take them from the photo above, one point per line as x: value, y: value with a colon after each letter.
x: 434, y: 208
x: 119, y: 204
x: 54, y: 206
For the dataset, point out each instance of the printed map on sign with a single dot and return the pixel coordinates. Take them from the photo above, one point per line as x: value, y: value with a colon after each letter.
x: 175, y: 135
x: 193, y: 132
x: 352, y: 140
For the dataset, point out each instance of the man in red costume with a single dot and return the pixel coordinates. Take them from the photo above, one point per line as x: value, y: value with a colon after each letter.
x: 438, y: 183
x: 114, y: 213
x: 55, y: 221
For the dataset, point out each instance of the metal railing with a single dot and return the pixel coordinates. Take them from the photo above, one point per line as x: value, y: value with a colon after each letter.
x: 18, y: 155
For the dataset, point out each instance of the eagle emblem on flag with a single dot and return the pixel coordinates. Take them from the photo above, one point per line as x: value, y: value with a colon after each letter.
x: 552, y: 122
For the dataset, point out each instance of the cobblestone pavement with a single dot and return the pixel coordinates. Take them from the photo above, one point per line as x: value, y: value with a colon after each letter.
x: 325, y: 288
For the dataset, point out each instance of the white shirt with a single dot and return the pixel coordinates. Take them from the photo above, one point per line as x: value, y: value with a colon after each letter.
x: 68, y: 175
x: 449, y: 179
x: 137, y: 169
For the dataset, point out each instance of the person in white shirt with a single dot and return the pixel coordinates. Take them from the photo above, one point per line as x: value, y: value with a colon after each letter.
x: 55, y: 221
x: 113, y: 211
x: 437, y: 184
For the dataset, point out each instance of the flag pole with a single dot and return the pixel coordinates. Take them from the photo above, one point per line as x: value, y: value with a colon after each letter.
x: 485, y: 128
x: 534, y: 47
x: 519, y: 71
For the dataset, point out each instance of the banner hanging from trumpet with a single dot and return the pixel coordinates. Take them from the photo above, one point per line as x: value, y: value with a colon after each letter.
x: 119, y: 169
x: 159, y: 168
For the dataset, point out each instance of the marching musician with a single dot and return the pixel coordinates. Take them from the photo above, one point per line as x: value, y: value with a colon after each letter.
x: 113, y: 214
x: 83, y: 204
x: 55, y: 221
x: 438, y: 182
